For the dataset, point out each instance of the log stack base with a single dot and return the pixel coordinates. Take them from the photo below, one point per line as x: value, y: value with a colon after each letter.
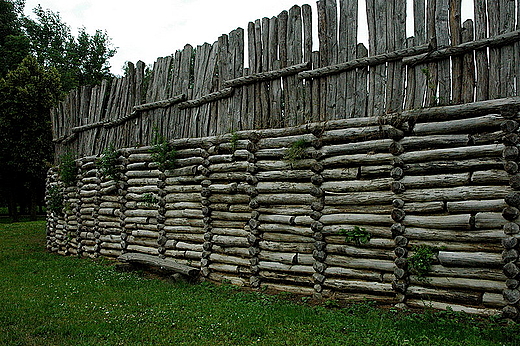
x: 277, y: 208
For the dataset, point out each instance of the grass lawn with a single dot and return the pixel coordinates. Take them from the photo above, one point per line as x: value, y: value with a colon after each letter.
x: 46, y: 299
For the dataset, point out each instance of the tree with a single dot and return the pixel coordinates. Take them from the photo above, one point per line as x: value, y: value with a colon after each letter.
x: 14, y: 45
x: 80, y: 61
x: 26, y: 97
x: 29, y: 87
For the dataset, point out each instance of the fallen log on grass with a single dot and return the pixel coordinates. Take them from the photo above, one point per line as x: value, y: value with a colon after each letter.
x: 163, y: 264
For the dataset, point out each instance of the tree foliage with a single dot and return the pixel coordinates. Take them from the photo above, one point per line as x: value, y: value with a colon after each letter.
x: 40, y: 61
x: 14, y: 45
x: 26, y: 97
x: 81, y: 60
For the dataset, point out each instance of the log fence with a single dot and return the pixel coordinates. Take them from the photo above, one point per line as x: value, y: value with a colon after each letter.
x: 208, y: 90
x: 413, y: 140
x: 266, y: 208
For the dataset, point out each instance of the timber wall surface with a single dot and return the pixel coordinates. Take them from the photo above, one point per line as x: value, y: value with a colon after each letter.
x: 211, y: 89
x: 239, y: 209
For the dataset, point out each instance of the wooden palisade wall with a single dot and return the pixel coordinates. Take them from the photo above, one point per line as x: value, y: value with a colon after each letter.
x: 207, y: 90
x: 240, y: 209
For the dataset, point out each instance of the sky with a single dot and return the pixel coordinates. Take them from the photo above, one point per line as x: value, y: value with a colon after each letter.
x: 146, y: 30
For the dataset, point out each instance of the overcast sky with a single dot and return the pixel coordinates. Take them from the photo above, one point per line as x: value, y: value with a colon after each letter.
x: 145, y: 30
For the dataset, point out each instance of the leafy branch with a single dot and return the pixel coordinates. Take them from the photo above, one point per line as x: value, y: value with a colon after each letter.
x: 108, y: 163
x: 420, y: 263
x: 68, y: 169
x: 163, y: 153
x: 357, y: 235
x: 297, y: 150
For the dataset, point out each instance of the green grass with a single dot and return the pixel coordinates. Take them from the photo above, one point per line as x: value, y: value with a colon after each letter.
x: 48, y: 299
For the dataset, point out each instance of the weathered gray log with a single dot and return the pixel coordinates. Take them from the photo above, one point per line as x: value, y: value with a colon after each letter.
x: 183, y: 188
x: 192, y: 213
x: 284, y: 210
x: 219, y: 258
x: 230, y: 241
x: 160, y: 104
x: 352, y: 273
x: 493, y: 177
x: 461, y: 193
x: 493, y: 274
x: 290, y: 288
x: 285, y: 277
x: 452, y: 166
x: 433, y: 181
x: 461, y: 283
x: 454, y: 153
x: 230, y: 231
x: 283, y: 175
x: 291, y: 268
x: 287, y: 237
x: 286, y: 247
x: 358, y: 159
x: 468, y: 110
x: 359, y: 286
x: 496, y: 41
x: 232, y: 278
x: 164, y: 264
x: 421, y: 303
x: 363, y: 198
x: 371, y: 209
x: 286, y: 198
x: 357, y: 185
x: 365, y: 133
x: 283, y: 187
x: 286, y: 258
x: 348, y: 173
x: 378, y: 145
x: 220, y: 215
x: 356, y: 251
x: 267, y: 76
x: 461, y: 221
x: 374, y: 171
x: 363, y: 62
x: 469, y: 259
x: 434, y: 141
x: 360, y: 263
x: 217, y: 95
x: 184, y: 222
x: 133, y: 248
x: 356, y: 219
x: 444, y: 295
x: 271, y: 227
x: 451, y: 235
x: 488, y: 220
x: 486, y: 122
x: 230, y: 268
x: 493, y: 300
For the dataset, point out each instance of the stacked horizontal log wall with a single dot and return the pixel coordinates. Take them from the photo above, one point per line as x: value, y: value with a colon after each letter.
x: 208, y: 90
x: 249, y: 208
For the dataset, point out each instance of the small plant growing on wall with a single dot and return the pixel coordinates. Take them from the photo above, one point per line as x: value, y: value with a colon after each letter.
x: 297, y: 150
x: 420, y: 263
x: 234, y: 140
x: 163, y: 153
x: 108, y: 163
x: 149, y: 200
x: 55, y: 200
x: 68, y: 169
x: 357, y: 235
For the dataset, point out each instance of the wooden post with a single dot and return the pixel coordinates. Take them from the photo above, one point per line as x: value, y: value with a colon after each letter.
x: 481, y: 59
